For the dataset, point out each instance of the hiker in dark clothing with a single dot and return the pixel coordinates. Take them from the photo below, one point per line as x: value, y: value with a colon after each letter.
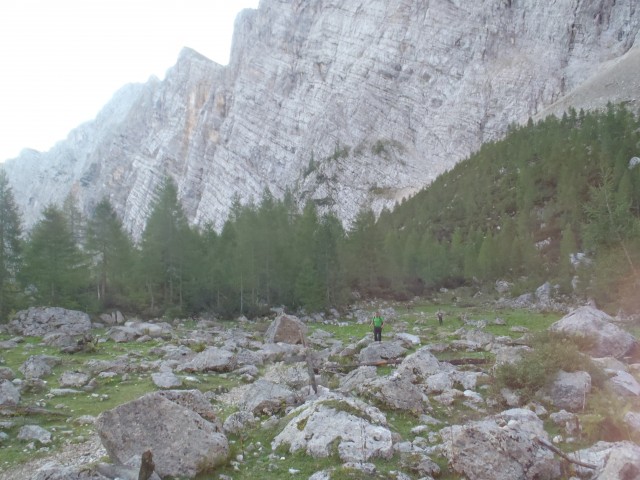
x: 377, y: 323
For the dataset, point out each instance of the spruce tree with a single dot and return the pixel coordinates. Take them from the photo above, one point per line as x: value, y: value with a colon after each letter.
x: 10, y: 248
x: 55, y: 268
x: 111, y: 253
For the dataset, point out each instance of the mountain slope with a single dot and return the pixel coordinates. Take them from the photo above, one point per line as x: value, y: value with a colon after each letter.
x: 350, y: 103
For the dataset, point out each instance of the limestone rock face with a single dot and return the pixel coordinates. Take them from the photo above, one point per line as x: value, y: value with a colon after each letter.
x: 349, y: 103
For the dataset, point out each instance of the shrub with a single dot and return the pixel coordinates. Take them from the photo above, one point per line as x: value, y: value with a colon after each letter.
x: 539, y: 367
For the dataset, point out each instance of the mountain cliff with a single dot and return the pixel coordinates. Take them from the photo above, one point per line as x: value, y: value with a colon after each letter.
x: 349, y: 103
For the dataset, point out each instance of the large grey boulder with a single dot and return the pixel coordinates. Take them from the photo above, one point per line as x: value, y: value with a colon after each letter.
x: 294, y: 376
x: 265, y: 397
x: 595, y: 333
x: 614, y: 461
x: 74, y: 379
x: 58, y: 472
x: 183, y: 443
x: 624, y: 384
x: 286, y: 329
x: 195, y: 401
x: 38, y: 321
x: 357, y: 377
x: 502, y: 447
x: 166, y: 380
x: 359, y: 431
x: 420, y: 365
x: 395, y: 393
x: 38, y: 366
x: 211, y: 359
x: 35, y: 432
x: 569, y: 390
x: 9, y: 394
x: 377, y: 352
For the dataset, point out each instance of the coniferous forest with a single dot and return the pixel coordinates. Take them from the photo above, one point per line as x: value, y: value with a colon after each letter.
x: 557, y: 200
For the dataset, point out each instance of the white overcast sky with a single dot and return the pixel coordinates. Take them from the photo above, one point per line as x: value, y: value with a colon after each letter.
x: 62, y: 60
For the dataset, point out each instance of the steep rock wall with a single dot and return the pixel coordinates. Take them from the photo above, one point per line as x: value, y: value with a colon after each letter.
x: 349, y: 103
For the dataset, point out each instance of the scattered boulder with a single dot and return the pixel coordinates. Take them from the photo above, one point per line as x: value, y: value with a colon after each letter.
x: 286, y: 329
x: 166, y: 380
x: 264, y: 397
x: 35, y: 432
x: 625, y: 384
x: 378, y: 352
x: 595, y: 333
x: 419, y: 365
x: 39, y: 321
x: 295, y: 376
x: 211, y: 359
x: 195, y: 401
x: 6, y: 373
x: 38, y: 366
x: 9, y: 394
x: 183, y: 443
x: 569, y: 390
x: 74, y: 379
x: 113, y: 318
x: 123, y: 334
x: 58, y: 472
x: 237, y: 422
x: 357, y: 377
x: 614, y: 461
x: 500, y: 448
x: 396, y: 393
x: 358, y: 431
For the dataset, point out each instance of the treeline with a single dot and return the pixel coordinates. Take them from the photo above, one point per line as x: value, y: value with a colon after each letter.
x: 519, y: 209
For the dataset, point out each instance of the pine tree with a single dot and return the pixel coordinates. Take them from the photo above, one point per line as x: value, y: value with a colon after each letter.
x: 55, y: 267
x: 10, y: 248
x: 111, y: 251
x: 164, y: 240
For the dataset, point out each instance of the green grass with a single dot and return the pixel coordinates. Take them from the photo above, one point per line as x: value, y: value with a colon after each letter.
x: 255, y: 444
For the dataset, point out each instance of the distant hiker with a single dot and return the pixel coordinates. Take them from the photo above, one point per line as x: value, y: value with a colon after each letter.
x: 377, y: 323
x: 440, y: 316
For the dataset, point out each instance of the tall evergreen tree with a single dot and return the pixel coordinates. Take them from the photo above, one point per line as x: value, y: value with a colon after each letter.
x: 54, y: 265
x: 162, y: 257
x: 10, y: 248
x: 111, y: 251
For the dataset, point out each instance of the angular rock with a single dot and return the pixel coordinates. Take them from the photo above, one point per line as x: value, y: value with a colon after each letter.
x: 396, y: 393
x: 264, y: 397
x: 595, y: 333
x: 182, y: 442
x: 623, y: 383
x: 355, y: 378
x: 38, y: 366
x: 35, y: 432
x: 74, y: 379
x: 240, y: 421
x: 9, y: 394
x: 359, y: 431
x: 614, y: 461
x: 569, y: 390
x: 6, y: 373
x: 211, y: 359
x: 381, y: 351
x: 38, y: 321
x: 58, y: 472
x: 286, y: 329
x: 420, y: 365
x: 500, y: 448
x: 195, y: 401
x: 166, y: 380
